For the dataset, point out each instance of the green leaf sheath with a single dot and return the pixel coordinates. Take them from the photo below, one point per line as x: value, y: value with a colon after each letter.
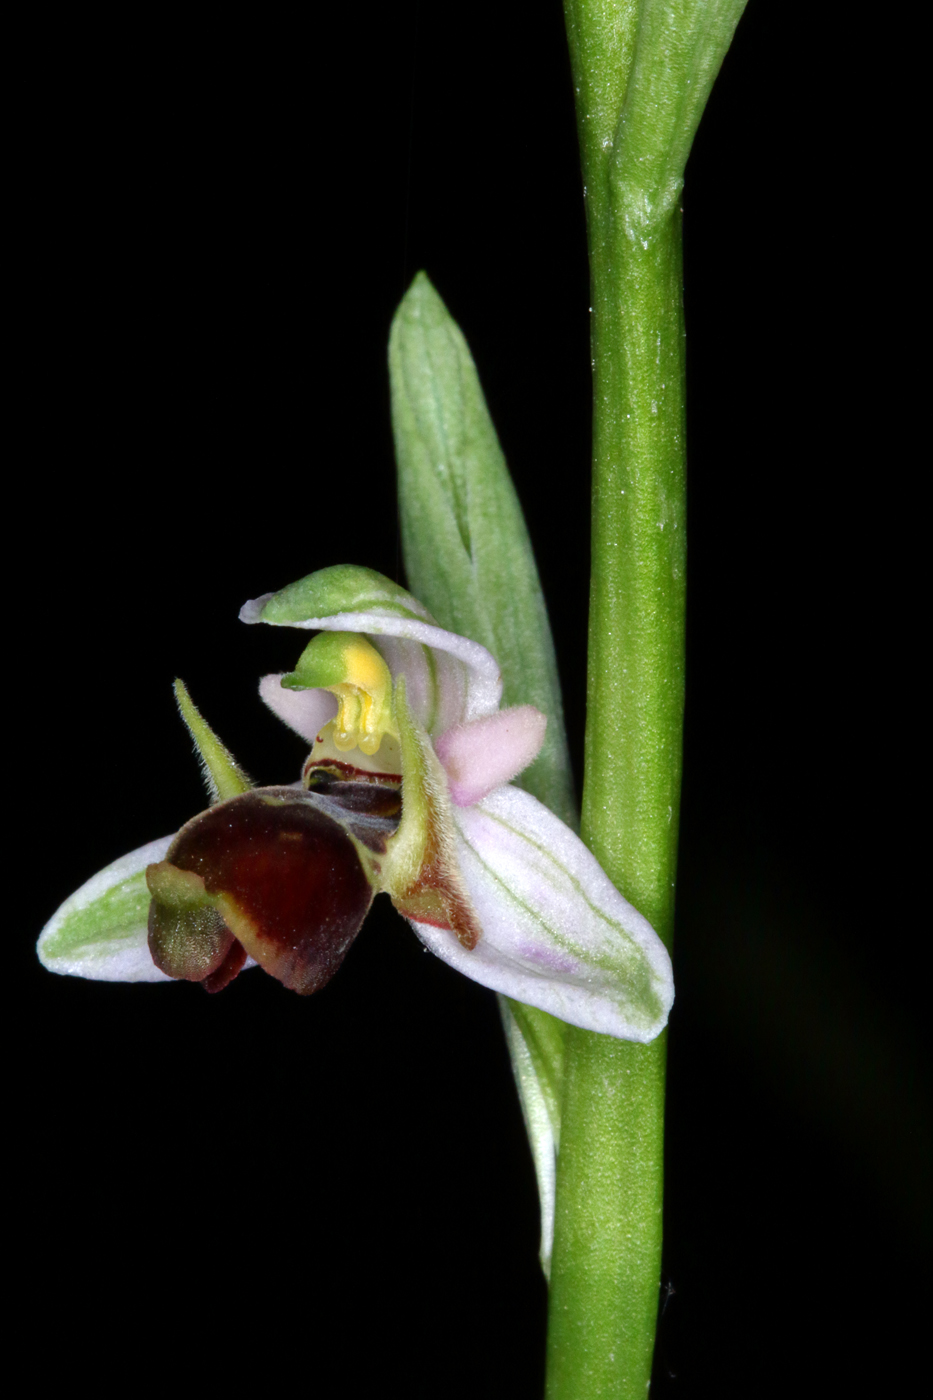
x: 642, y: 74
x: 467, y: 552
x: 469, y: 560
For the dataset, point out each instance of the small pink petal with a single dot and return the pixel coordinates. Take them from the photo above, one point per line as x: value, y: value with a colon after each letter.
x: 480, y: 756
x: 305, y: 711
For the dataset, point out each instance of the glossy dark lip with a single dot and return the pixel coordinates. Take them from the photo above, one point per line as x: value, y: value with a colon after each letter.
x: 288, y: 864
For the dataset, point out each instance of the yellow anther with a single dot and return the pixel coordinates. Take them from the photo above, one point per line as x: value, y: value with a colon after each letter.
x: 351, y: 668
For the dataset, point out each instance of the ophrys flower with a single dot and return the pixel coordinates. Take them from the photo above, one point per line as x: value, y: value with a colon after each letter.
x: 407, y: 790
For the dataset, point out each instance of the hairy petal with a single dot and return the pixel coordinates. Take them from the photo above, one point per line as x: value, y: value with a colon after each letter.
x: 556, y: 933
x: 481, y: 756
x: 420, y: 873
x: 222, y: 775
x: 101, y: 932
x: 304, y: 711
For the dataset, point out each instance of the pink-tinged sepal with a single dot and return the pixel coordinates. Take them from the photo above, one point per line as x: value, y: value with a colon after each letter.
x: 556, y: 933
x: 480, y: 756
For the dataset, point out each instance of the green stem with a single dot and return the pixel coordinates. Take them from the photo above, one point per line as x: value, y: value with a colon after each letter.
x: 642, y: 73
x: 607, y: 1248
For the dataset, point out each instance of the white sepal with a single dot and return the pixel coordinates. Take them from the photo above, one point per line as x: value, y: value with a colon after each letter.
x: 101, y: 931
x: 556, y: 933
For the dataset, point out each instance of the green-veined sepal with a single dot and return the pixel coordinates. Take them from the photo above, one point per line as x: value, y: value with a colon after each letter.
x: 556, y: 933
x: 101, y: 931
x: 449, y: 679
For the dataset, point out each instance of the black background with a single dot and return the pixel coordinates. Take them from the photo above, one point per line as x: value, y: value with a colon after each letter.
x: 219, y: 216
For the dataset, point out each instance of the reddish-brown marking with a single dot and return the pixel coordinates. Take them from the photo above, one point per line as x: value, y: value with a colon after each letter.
x: 291, y: 871
x: 231, y: 965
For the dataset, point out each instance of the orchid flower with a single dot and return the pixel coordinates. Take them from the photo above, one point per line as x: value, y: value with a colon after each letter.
x: 407, y: 790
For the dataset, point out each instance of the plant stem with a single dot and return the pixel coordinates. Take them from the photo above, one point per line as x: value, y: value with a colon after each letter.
x: 607, y: 1251
x: 607, y: 1248
x: 642, y: 72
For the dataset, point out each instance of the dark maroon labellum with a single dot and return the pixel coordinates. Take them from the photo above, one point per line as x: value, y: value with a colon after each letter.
x: 282, y: 880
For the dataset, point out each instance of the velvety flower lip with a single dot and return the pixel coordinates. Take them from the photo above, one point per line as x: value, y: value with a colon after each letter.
x: 408, y: 788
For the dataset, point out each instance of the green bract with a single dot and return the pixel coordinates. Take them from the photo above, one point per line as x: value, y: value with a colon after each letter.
x: 469, y: 558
